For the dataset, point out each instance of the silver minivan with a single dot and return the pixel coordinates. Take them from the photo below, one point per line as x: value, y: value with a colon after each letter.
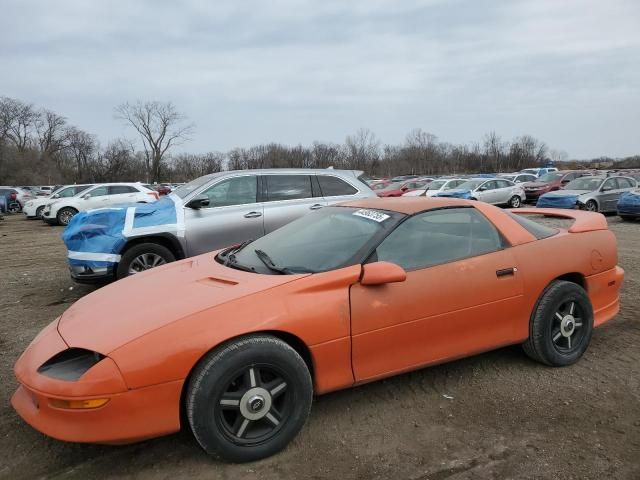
x: 207, y: 214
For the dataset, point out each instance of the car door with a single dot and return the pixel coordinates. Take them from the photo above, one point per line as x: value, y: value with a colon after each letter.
x: 486, y: 192
x: 504, y: 191
x: 624, y: 184
x: 95, y: 198
x: 608, y: 195
x: 335, y: 190
x: 232, y: 216
x: 122, y: 194
x: 463, y: 294
x: 287, y: 197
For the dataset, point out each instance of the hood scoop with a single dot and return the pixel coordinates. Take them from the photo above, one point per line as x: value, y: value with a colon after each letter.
x: 217, y: 282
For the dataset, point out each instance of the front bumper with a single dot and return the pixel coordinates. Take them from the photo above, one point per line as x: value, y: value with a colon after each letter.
x: 129, y: 414
x: 91, y: 274
x: 47, y: 218
x: 533, y: 195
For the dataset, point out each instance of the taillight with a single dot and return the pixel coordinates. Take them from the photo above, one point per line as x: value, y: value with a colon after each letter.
x: 154, y: 195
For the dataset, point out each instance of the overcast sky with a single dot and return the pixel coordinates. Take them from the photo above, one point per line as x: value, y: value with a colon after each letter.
x: 294, y: 71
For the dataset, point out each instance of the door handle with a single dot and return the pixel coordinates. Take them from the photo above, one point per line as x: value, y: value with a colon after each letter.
x: 503, y: 272
x: 253, y: 215
x: 315, y: 207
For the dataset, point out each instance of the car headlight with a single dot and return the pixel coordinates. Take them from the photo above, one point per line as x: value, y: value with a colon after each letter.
x: 70, y: 364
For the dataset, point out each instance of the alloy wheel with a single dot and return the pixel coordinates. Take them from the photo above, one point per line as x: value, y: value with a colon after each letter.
x: 145, y: 262
x: 567, y: 329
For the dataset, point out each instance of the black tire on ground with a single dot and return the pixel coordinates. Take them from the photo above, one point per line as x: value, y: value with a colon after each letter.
x: 515, y: 201
x: 627, y: 218
x: 149, y: 254
x: 592, y: 206
x: 39, y: 211
x: 65, y: 215
x: 561, y: 325
x: 241, y: 379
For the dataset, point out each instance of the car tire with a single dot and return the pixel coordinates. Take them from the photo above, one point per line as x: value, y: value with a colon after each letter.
x: 591, y: 206
x: 627, y: 218
x: 143, y: 256
x: 561, y: 325
x: 515, y: 202
x: 39, y: 211
x: 65, y: 215
x: 228, y: 407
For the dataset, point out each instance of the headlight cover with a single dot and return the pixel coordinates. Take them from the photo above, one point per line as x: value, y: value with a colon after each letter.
x: 70, y: 364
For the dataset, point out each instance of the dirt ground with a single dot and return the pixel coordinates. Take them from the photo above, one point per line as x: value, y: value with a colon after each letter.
x: 497, y: 415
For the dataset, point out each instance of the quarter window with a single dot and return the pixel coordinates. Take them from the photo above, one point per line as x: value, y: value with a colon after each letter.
x: 333, y: 186
x: 233, y: 191
x: 288, y: 187
x: 120, y: 189
x: 440, y: 236
x: 99, y: 191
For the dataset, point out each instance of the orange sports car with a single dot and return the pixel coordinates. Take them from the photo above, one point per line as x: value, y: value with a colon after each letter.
x: 239, y: 340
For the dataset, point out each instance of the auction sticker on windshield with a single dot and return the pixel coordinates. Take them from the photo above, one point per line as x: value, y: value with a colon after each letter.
x: 371, y: 215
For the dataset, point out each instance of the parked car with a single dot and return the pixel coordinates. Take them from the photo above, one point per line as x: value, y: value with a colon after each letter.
x: 34, y: 208
x: 404, y: 178
x: 596, y: 194
x: 496, y: 191
x: 551, y: 182
x: 538, y: 172
x: 398, y: 189
x: 98, y: 196
x: 22, y: 195
x: 235, y: 343
x: 433, y: 188
x: 629, y: 205
x: 519, y: 177
x: 208, y: 213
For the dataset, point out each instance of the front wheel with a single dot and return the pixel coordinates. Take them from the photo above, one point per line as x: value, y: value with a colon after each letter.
x: 39, y: 211
x: 65, y: 215
x: 249, y: 398
x: 515, y: 201
x: 591, y: 206
x: 142, y: 257
x: 561, y: 325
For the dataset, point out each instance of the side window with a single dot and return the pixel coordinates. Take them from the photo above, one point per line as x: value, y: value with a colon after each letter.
x: 288, y: 187
x: 490, y: 185
x: 99, y: 192
x: 333, y: 186
x: 233, y: 191
x: 610, y: 184
x: 120, y: 189
x: 503, y: 184
x: 439, y: 236
x: 624, y: 183
x: 68, y: 192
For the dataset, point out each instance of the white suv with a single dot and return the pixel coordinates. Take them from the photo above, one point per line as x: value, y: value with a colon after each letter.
x: 103, y: 195
x: 34, y: 208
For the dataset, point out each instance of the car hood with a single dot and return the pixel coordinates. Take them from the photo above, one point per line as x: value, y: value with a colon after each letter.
x: 566, y: 193
x: 536, y: 184
x: 129, y: 308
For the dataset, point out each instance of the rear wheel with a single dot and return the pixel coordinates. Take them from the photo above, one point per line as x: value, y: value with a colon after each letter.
x: 515, y: 201
x: 248, y: 399
x: 65, y: 215
x: 561, y: 325
x: 142, y: 257
x: 591, y: 206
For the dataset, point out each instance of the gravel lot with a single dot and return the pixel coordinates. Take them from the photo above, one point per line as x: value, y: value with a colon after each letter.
x: 497, y: 415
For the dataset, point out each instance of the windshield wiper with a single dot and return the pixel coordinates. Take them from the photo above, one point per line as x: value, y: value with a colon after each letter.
x: 266, y: 259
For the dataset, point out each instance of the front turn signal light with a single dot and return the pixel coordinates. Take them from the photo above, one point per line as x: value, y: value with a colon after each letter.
x: 78, y: 404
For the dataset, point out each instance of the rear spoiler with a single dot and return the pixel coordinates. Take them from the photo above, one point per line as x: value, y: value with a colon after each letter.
x: 584, y: 221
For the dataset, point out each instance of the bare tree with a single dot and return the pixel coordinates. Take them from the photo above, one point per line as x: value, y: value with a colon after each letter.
x: 52, y: 134
x: 160, y: 126
x: 18, y: 120
x: 82, y: 147
x: 362, y: 150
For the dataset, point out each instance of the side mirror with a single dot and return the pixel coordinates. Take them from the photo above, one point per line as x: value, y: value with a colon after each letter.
x: 86, y: 196
x: 199, y: 202
x: 380, y: 273
x: 606, y: 189
x: 482, y: 189
x: 55, y: 196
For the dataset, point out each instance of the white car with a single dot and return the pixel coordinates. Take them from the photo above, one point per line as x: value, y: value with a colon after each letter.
x: 22, y: 195
x: 538, y: 172
x: 435, y: 187
x: 103, y: 195
x: 519, y: 177
x: 34, y: 208
x: 496, y: 191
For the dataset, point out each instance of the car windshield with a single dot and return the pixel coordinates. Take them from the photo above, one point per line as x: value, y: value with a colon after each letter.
x: 437, y: 184
x: 584, y: 183
x: 183, y: 190
x: 471, y: 184
x: 330, y: 238
x: 508, y: 177
x: 550, y: 177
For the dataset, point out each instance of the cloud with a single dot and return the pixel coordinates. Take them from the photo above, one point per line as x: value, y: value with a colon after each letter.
x: 295, y: 71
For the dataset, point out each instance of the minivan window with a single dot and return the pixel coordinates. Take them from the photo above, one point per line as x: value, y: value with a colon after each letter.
x: 288, y: 187
x: 333, y: 186
x: 120, y: 189
x: 233, y: 191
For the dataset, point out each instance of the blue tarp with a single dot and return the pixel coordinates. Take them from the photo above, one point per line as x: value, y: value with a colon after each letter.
x: 557, y: 201
x: 95, y: 238
x: 455, y: 194
x: 629, y: 203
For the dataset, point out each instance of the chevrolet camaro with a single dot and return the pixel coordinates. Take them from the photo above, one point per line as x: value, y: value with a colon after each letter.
x: 233, y: 344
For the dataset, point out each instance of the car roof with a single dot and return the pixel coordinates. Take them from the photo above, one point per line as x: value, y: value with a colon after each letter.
x: 408, y: 205
x: 285, y: 171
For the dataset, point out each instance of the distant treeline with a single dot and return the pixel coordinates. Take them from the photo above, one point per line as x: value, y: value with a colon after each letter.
x: 38, y: 146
